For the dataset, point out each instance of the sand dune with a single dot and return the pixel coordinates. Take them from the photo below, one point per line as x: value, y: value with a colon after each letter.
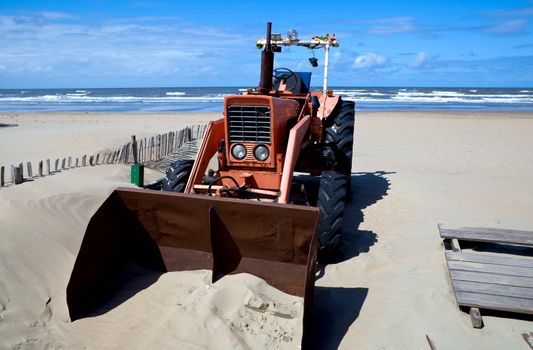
x: 387, y: 291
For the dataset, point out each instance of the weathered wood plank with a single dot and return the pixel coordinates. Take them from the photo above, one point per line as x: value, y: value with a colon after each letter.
x: 480, y: 234
x: 493, y: 289
x: 128, y: 153
x: 491, y: 268
x: 18, y: 175
x: 528, y: 338
x: 455, y: 245
x: 2, y: 174
x: 84, y: 160
x: 120, y: 153
x: 491, y: 258
x: 494, y: 302
x: 475, y: 318
x: 431, y: 343
x: 140, y: 151
x: 30, y: 171
x: 48, y: 168
x: 12, y: 170
x: 491, y: 278
x: 69, y: 162
x: 146, y: 158
x: 41, y: 168
x: 56, y: 164
x: 134, y: 149
x: 158, y: 147
x: 152, y: 148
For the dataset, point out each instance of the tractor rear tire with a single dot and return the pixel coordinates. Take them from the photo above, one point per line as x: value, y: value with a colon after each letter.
x: 177, y: 176
x: 339, y: 135
x: 331, y: 200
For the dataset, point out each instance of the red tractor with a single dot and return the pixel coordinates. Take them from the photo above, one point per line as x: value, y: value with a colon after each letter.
x: 271, y: 132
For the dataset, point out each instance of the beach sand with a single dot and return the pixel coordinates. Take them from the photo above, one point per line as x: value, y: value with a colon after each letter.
x: 413, y: 170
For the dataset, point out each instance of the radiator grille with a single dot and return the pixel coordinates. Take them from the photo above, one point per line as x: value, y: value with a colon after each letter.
x: 249, y: 124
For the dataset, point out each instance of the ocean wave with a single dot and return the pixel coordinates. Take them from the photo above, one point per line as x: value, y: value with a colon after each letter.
x: 82, y: 98
x: 458, y: 99
x: 447, y: 93
x: 359, y: 93
x: 144, y: 99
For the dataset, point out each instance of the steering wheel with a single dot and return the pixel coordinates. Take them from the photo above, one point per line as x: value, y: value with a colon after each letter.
x: 291, y: 79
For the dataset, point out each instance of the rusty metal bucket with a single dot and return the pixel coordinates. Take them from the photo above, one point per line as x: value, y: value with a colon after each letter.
x: 167, y: 231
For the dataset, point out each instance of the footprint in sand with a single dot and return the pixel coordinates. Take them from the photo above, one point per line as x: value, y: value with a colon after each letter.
x: 2, y: 309
x: 47, y: 312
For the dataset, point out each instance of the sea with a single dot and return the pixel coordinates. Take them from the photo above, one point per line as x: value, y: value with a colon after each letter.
x: 184, y: 99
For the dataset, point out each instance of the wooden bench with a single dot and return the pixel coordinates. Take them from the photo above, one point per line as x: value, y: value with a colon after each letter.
x: 496, y: 280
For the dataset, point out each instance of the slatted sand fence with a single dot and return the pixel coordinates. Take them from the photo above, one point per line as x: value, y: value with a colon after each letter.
x: 155, y: 152
x: 188, y: 149
x: 490, y: 269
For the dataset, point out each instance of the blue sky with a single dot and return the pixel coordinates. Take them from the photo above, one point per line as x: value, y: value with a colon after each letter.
x: 139, y: 43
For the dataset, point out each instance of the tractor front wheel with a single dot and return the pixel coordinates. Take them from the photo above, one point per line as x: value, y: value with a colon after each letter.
x: 177, y: 176
x: 331, y: 200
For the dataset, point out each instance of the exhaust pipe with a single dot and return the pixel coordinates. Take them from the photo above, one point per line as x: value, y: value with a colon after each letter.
x: 267, y: 64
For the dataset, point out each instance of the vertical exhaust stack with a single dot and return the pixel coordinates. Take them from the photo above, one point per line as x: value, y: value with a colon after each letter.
x: 267, y: 64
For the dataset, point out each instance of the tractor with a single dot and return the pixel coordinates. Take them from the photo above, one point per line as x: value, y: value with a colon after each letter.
x: 247, y: 212
x: 269, y: 133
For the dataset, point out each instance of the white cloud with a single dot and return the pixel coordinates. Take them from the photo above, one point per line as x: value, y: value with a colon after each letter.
x: 390, y: 26
x: 517, y: 12
x: 369, y: 60
x: 512, y: 26
x: 423, y: 60
x: 420, y: 60
x: 49, y: 49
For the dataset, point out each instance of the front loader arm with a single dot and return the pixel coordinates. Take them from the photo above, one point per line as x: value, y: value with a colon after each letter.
x: 212, y: 136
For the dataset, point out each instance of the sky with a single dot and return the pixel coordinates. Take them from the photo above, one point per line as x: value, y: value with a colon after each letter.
x: 163, y: 43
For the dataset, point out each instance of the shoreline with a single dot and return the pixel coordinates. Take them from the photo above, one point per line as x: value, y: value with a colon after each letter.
x: 365, y: 111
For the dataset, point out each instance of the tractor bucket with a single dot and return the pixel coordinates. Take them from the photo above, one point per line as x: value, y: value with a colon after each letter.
x: 167, y: 231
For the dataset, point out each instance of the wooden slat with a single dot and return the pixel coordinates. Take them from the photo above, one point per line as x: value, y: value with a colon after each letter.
x: 491, y: 278
x: 493, y: 235
x: 490, y: 258
x: 494, y: 302
x: 475, y: 318
x: 491, y: 268
x: 493, y: 289
x: 455, y: 245
x: 528, y: 338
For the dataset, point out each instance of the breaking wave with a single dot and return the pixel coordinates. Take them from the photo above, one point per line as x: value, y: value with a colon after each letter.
x: 210, y: 98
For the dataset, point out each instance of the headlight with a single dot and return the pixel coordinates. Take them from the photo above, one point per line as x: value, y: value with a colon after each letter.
x: 261, y: 153
x: 238, y: 151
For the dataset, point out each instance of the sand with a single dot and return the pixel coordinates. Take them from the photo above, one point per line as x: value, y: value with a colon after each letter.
x: 390, y: 289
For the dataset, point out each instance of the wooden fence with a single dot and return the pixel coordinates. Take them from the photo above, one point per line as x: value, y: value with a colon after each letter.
x: 136, y: 151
